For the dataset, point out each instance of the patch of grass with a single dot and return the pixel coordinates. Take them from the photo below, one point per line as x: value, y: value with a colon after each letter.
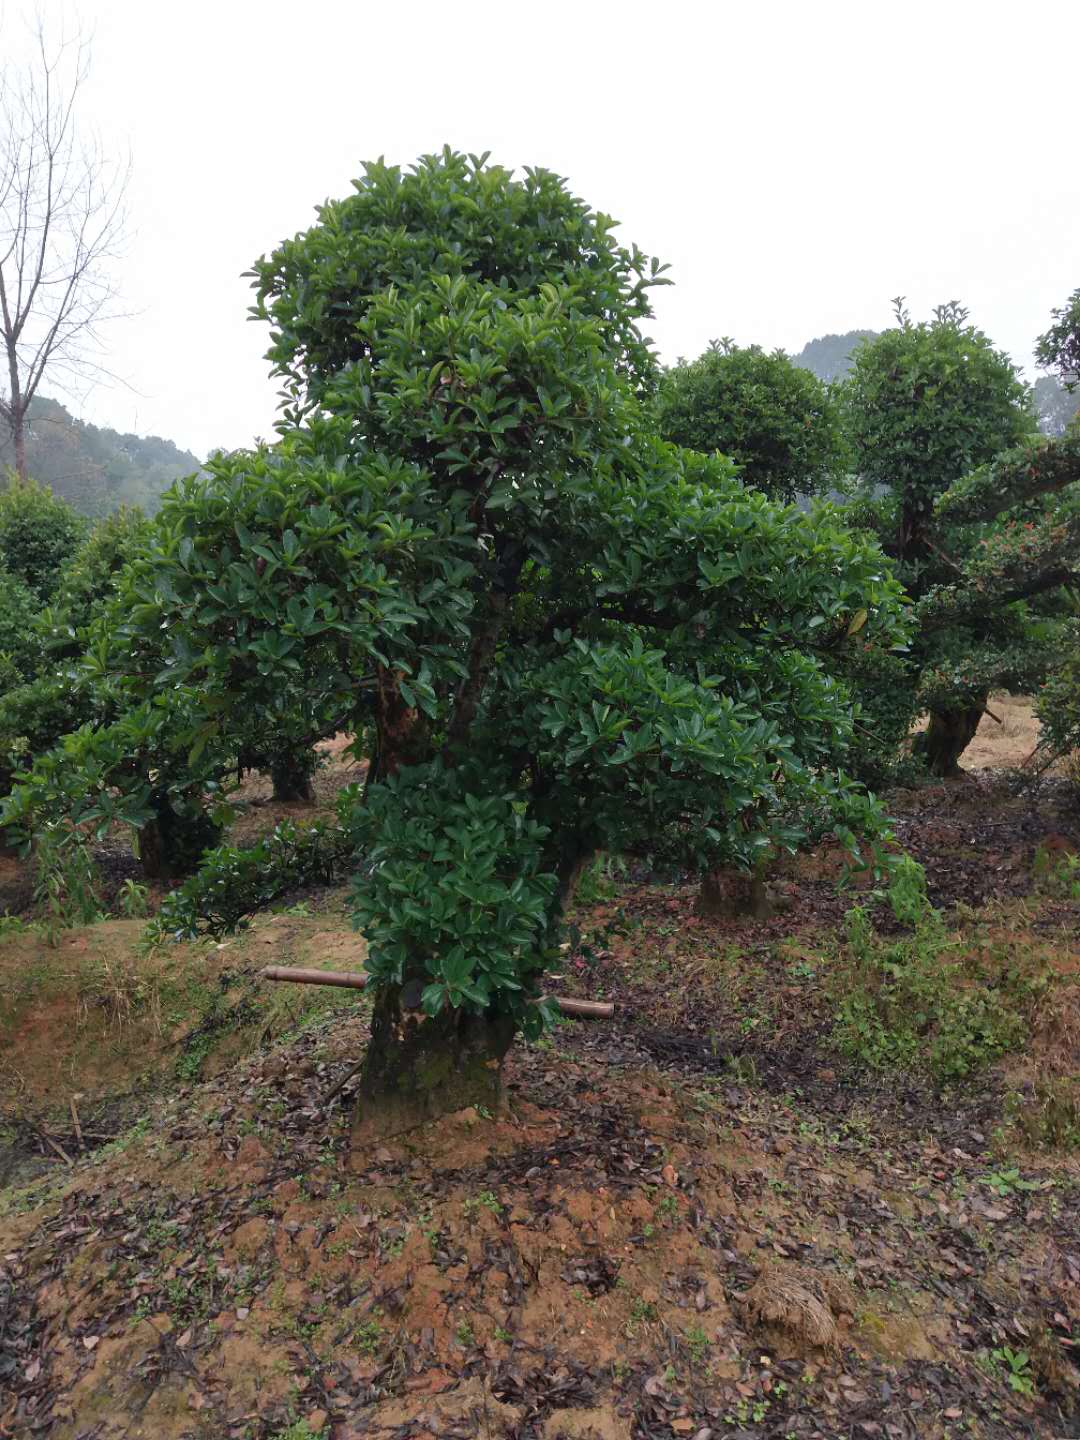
x: 931, y: 1000
x: 1056, y: 874
x: 298, y: 1430
x: 1048, y: 1115
x: 697, y: 1344
x: 642, y: 1312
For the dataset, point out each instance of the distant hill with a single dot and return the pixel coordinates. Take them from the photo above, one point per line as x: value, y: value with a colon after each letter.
x: 1055, y: 407
x: 829, y: 356
x: 96, y: 469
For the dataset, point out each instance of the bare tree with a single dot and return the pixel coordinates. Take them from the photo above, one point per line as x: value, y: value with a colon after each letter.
x: 61, y: 224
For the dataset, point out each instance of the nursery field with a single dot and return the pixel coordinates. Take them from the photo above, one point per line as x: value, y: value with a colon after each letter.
x: 819, y: 1177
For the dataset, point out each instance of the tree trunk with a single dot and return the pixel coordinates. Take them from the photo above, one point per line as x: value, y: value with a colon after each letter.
x: 292, y: 782
x: 171, y: 845
x: 420, y: 1067
x: 735, y: 895
x: 18, y: 433
x: 946, y: 738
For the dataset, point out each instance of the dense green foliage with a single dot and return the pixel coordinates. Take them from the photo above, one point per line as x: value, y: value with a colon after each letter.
x: 929, y: 405
x: 233, y: 883
x: 1058, y: 702
x: 1059, y: 699
x: 775, y: 420
x: 46, y: 696
x: 19, y: 647
x: 559, y: 633
x: 35, y: 716
x: 94, y: 469
x: 90, y: 576
x: 38, y: 535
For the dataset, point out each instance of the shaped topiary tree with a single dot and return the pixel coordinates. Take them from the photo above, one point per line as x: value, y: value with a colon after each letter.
x: 776, y: 420
x: 560, y: 633
x: 930, y: 405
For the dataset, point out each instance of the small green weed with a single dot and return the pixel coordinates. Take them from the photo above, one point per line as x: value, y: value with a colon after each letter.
x: 65, y: 879
x: 1008, y: 1182
x: 642, y: 1312
x: 1017, y: 1369
x: 486, y: 1200
x: 668, y: 1208
x: 697, y: 1343
x: 368, y: 1337
x: 298, y: 1430
x: 133, y: 899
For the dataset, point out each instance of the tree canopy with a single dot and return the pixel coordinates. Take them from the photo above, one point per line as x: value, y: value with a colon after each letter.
x: 1059, y: 348
x: 775, y: 420
x: 558, y: 632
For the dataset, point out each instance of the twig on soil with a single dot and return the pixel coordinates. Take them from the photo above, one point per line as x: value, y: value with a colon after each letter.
x: 336, y: 1090
x: 57, y: 1147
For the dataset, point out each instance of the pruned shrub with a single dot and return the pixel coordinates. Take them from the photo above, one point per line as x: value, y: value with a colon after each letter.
x: 232, y: 883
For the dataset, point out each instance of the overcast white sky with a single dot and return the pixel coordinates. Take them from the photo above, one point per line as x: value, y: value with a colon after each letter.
x: 797, y: 163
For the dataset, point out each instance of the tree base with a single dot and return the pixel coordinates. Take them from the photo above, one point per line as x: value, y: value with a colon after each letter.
x: 946, y: 738
x: 171, y: 845
x: 419, y: 1067
x: 735, y: 895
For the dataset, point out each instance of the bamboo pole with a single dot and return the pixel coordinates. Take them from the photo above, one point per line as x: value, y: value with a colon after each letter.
x: 352, y: 980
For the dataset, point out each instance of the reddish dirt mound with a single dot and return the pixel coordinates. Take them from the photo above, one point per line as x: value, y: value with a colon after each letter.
x: 615, y: 1256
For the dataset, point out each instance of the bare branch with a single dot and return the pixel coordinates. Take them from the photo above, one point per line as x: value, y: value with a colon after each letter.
x: 61, y: 227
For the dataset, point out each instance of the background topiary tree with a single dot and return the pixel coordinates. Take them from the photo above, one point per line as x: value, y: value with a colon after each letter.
x: 775, y: 419
x: 1059, y: 348
x: 560, y: 633
x: 38, y: 535
x: 927, y: 405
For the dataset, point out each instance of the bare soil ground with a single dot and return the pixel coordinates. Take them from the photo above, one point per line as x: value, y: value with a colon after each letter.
x: 697, y: 1221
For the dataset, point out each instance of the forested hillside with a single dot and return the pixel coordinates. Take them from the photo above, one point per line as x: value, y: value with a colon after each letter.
x: 93, y: 468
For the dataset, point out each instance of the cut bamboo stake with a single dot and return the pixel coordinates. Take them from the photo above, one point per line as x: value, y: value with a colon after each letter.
x: 75, y: 1119
x: 351, y: 980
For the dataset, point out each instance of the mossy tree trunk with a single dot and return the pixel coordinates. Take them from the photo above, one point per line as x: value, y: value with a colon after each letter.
x: 420, y: 1067
x: 946, y: 738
